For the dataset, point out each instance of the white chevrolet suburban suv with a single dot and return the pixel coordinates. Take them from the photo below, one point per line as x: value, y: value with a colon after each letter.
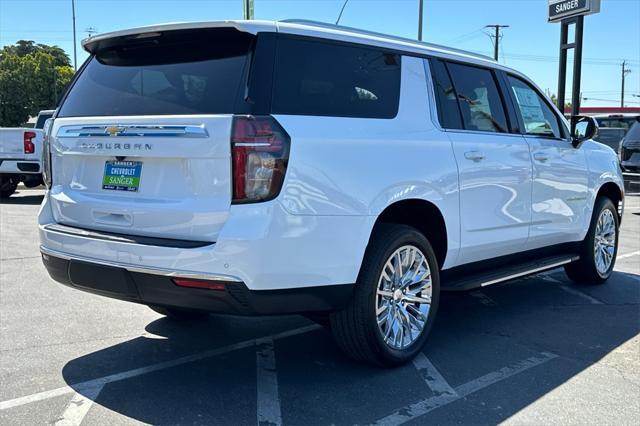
x: 255, y: 168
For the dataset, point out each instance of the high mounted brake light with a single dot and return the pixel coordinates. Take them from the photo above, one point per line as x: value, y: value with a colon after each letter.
x: 260, y: 152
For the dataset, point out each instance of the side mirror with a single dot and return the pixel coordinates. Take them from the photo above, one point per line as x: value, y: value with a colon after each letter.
x: 582, y: 128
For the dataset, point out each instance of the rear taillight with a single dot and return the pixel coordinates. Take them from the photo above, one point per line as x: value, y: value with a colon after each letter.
x: 29, y: 146
x: 46, y: 152
x: 260, y: 152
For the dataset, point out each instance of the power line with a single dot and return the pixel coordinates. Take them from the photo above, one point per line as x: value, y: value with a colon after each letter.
x: 609, y: 100
x: 341, y: 10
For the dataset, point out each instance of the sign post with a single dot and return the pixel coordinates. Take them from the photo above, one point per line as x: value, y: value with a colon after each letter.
x: 248, y: 9
x: 571, y: 12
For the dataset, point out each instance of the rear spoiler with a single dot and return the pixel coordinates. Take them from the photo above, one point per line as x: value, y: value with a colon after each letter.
x: 100, y: 41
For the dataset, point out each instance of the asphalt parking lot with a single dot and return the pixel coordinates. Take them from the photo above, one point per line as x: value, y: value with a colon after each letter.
x: 539, y: 350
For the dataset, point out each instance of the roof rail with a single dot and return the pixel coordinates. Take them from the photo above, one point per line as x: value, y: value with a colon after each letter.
x: 327, y: 25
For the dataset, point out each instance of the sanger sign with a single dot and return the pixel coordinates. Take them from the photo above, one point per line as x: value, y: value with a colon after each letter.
x: 562, y: 9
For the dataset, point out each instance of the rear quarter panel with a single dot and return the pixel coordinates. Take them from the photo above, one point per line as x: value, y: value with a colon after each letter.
x: 353, y: 166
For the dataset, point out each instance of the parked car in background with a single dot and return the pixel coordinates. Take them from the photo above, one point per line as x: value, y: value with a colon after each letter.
x: 630, y: 149
x: 610, y: 136
x: 253, y: 167
x: 43, y: 116
x: 613, y: 127
x: 619, y: 121
x: 21, y: 155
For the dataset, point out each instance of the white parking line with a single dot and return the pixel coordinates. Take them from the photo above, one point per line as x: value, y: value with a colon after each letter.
x: 579, y: 293
x: 626, y: 255
x: 573, y: 291
x: 413, y: 411
x: 432, y: 376
x: 78, y: 407
x: 504, y: 373
x: 101, y: 381
x: 268, y: 411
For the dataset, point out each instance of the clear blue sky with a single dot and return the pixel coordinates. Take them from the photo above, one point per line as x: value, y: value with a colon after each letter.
x: 530, y: 44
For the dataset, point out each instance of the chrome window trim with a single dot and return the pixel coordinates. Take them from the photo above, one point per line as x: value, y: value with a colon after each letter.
x: 482, y: 132
x: 132, y: 130
x: 172, y: 273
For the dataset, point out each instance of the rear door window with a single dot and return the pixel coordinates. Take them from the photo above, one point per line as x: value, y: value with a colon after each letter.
x: 448, y: 110
x: 180, y: 72
x: 478, y: 98
x: 328, y: 79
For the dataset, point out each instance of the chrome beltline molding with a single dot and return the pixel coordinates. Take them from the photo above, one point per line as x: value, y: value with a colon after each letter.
x: 141, y: 269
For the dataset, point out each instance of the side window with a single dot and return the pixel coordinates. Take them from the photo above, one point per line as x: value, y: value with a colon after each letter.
x: 537, y: 116
x: 479, y: 99
x: 327, y: 79
x: 448, y: 111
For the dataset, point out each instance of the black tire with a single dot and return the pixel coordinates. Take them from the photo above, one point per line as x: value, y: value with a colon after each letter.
x: 180, y: 314
x: 585, y: 271
x: 355, y: 328
x: 7, y: 187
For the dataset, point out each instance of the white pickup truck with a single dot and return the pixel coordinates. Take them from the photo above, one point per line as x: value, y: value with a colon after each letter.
x: 21, y: 155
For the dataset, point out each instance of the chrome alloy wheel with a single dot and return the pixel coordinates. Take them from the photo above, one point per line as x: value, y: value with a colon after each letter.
x: 604, y: 241
x: 403, y: 297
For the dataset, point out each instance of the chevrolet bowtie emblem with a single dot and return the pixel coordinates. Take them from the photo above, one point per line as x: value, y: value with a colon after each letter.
x: 114, y: 130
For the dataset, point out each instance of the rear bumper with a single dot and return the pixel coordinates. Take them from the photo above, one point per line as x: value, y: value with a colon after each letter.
x: 156, y: 287
x: 259, y: 245
x: 19, y: 167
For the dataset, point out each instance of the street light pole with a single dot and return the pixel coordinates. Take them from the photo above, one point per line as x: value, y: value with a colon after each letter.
x: 75, y: 55
x: 420, y: 12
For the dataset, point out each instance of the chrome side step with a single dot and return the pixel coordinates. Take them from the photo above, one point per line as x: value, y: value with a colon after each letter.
x: 500, y: 275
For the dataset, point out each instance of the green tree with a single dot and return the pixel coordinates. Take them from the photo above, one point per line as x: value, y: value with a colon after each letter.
x: 32, y: 78
x: 554, y: 99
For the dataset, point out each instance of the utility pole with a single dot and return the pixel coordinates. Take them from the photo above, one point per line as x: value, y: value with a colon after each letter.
x: 496, y: 38
x: 90, y: 31
x: 248, y: 9
x: 75, y: 55
x: 625, y: 71
x: 420, y: 12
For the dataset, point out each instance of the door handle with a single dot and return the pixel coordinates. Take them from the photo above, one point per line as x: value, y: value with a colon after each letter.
x: 474, y: 155
x: 538, y: 156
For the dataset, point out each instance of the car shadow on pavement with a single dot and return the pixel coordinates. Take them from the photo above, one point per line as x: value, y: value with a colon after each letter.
x: 33, y: 200
x: 208, y: 372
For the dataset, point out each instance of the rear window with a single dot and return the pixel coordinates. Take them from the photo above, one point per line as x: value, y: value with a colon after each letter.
x: 42, y: 117
x: 328, y: 79
x: 178, y: 72
x: 617, y: 122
